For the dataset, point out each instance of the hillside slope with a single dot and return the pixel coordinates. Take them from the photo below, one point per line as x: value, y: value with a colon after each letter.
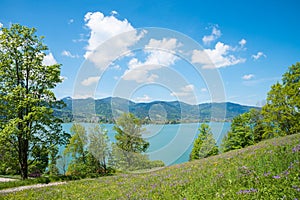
x: 107, y: 109
x: 268, y: 170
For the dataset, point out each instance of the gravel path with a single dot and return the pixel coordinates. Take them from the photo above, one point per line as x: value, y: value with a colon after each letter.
x: 16, y: 189
x: 6, y: 179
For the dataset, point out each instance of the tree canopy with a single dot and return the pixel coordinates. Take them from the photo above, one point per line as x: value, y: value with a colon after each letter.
x: 26, y: 95
x: 205, y: 144
x: 282, y: 111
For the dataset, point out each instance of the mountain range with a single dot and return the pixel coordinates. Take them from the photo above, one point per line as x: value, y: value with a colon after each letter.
x: 108, y: 109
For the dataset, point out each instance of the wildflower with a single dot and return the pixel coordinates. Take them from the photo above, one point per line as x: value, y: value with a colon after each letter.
x: 296, y: 148
x: 252, y: 190
x: 267, y: 173
x: 296, y: 188
x: 277, y: 177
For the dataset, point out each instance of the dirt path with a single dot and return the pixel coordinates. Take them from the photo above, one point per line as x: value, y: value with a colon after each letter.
x: 16, y: 189
x: 6, y: 179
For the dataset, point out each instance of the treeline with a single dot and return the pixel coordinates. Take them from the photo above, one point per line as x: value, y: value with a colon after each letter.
x: 280, y: 116
x: 90, y: 153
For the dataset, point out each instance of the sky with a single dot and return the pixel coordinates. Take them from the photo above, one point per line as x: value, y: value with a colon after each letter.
x: 192, y: 51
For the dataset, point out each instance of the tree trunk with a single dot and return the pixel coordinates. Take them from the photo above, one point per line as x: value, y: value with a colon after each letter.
x: 23, y: 157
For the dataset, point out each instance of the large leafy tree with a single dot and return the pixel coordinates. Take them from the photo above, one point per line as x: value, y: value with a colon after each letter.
x: 246, y: 129
x: 26, y: 95
x: 204, y: 145
x: 282, y: 111
x: 129, y: 141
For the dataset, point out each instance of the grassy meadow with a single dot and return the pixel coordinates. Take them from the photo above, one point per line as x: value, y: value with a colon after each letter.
x: 268, y: 170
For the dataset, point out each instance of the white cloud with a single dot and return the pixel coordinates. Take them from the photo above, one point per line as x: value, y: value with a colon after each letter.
x: 115, y: 67
x: 49, y: 60
x: 161, y: 53
x: 242, y: 43
x: 258, y: 55
x: 215, y: 34
x: 203, y: 90
x: 90, y: 80
x: 1, y: 25
x: 63, y: 78
x: 144, y: 98
x: 113, y: 12
x: 103, y: 28
x: 71, y: 21
x: 217, y: 57
x: 187, y: 90
x: 69, y: 54
x: 248, y: 76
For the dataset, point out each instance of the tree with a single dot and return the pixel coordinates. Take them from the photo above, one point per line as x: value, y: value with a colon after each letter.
x: 77, y: 143
x: 204, y: 145
x: 246, y: 129
x: 129, y: 144
x: 282, y: 110
x: 26, y: 96
x: 99, y: 145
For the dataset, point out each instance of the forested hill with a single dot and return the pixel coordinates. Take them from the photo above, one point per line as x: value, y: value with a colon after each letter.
x: 107, y: 109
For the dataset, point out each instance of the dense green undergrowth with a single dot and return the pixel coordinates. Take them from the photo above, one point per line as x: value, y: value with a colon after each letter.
x: 268, y: 170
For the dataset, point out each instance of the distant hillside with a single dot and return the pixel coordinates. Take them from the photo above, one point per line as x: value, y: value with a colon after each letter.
x: 107, y: 109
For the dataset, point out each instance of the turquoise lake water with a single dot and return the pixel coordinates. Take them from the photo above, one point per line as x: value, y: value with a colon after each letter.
x: 170, y: 143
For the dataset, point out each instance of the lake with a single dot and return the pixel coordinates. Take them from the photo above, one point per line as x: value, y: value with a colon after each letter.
x: 171, y: 143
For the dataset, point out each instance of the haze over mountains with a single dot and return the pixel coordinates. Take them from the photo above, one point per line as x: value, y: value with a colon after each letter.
x: 108, y: 109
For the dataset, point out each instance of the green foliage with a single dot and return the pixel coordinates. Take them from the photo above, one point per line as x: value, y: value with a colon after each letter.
x: 267, y: 170
x: 282, y: 111
x: 99, y: 145
x: 77, y: 143
x: 246, y: 129
x: 89, y: 152
x: 127, y: 152
x: 26, y: 95
x: 129, y: 137
x: 204, y: 145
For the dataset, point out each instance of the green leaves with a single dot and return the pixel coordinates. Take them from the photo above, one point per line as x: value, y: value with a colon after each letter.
x: 26, y: 96
x: 246, y: 129
x: 204, y: 145
x: 282, y: 111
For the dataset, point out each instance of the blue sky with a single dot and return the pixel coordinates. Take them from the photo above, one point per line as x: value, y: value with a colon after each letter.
x: 247, y: 45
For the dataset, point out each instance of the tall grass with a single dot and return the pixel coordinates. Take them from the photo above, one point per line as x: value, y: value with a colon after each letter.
x: 268, y: 170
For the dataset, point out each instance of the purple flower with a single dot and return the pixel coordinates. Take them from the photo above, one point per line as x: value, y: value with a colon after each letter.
x: 296, y: 148
x: 277, y: 177
x: 267, y: 173
x: 247, y: 191
x: 296, y: 188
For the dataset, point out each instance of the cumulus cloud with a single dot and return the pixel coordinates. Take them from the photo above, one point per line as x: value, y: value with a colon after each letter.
x: 248, y: 76
x: 187, y: 90
x: 1, y: 25
x: 258, y: 55
x: 90, y: 80
x: 144, y: 98
x: 161, y: 53
x: 217, y: 57
x: 215, y: 34
x: 113, y: 12
x: 242, y: 43
x: 49, y: 60
x: 69, y: 54
x: 103, y: 28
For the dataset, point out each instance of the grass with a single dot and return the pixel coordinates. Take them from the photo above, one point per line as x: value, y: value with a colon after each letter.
x: 268, y: 170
